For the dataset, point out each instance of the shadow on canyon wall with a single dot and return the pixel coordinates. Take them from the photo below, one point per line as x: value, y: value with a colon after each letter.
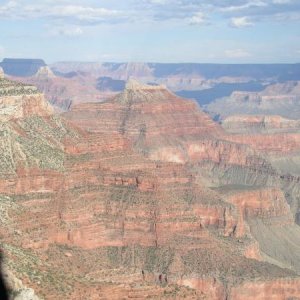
x: 3, y: 288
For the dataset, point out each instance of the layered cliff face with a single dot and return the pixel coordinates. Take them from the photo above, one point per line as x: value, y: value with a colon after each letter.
x: 284, y: 88
x: 268, y: 143
x: 277, y: 138
x: 185, y: 71
x: 63, y: 92
x: 202, y: 144
x: 156, y: 121
x: 260, y: 124
x: 145, y: 181
x: 277, y: 99
x: 20, y: 101
x: 44, y: 73
x: 80, y: 82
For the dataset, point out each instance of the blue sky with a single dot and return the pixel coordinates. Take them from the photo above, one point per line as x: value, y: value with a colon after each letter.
x: 221, y: 31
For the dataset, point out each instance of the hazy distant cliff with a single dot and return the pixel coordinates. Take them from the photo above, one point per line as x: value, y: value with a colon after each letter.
x: 21, y: 67
x: 68, y: 83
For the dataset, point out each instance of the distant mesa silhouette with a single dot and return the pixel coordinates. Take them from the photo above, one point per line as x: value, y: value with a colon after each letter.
x: 21, y: 67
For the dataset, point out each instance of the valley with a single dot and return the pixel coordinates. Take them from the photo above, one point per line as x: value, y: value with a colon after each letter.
x: 102, y: 199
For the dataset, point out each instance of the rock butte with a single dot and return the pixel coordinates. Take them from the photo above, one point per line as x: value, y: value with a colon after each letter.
x: 144, y: 181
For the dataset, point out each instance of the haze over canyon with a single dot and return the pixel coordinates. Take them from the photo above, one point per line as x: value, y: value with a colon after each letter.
x: 115, y: 184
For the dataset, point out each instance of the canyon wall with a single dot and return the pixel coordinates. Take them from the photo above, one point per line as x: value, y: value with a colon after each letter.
x: 142, y: 182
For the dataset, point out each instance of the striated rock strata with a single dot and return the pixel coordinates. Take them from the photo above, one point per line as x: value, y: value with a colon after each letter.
x: 145, y: 181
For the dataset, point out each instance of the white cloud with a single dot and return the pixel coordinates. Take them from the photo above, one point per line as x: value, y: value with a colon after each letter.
x: 237, y: 53
x: 247, y: 5
x: 194, y: 12
x: 198, y: 19
x: 79, y: 13
x: 240, y: 22
x: 7, y: 9
x: 66, y: 31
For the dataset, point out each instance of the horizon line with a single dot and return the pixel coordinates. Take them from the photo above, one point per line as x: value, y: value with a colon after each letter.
x: 150, y: 62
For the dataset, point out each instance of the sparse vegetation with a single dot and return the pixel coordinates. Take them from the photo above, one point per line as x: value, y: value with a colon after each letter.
x: 40, y: 144
x: 12, y: 88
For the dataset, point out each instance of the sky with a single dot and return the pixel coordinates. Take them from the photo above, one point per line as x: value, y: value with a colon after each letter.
x: 200, y: 31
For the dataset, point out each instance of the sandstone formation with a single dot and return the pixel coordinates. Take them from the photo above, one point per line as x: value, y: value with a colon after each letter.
x: 19, y: 101
x: 283, y: 88
x: 63, y: 92
x: 260, y: 124
x: 44, y: 73
x: 184, y: 71
x: 144, y: 181
x: 289, y: 142
x: 80, y: 82
x: 154, y: 119
x: 277, y: 138
x: 277, y: 99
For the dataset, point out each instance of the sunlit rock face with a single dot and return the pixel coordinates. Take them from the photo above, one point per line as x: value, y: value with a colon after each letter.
x: 44, y: 73
x: 154, y: 119
x: 21, y: 101
x: 144, y: 181
x: 260, y: 124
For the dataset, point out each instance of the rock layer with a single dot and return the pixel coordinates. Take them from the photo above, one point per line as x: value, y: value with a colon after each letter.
x: 134, y: 184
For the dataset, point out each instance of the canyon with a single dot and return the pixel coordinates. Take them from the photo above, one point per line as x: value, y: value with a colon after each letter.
x: 100, y: 200
x: 66, y: 84
x: 276, y: 99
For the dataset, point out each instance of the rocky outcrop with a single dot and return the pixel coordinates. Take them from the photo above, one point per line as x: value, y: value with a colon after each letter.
x: 283, y: 88
x: 44, y: 73
x: 18, y: 291
x: 259, y: 124
x: 263, y: 203
x: 289, y: 142
x: 277, y: 99
x: 281, y: 289
x: 14, y: 107
x: 262, y: 133
x: 63, y: 92
x: 210, y: 287
x: 21, y: 101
